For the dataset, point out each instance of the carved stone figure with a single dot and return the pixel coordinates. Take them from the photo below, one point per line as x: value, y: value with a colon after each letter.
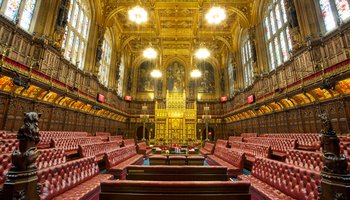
x: 292, y: 15
x: 28, y: 136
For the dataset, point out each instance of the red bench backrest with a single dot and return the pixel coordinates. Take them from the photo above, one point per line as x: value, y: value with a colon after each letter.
x: 305, y: 159
x: 128, y: 142
x: 221, y: 143
x: 296, y: 182
x: 60, y: 178
x: 95, y: 149
x: 254, y: 149
x: 119, y: 155
x: 235, y: 158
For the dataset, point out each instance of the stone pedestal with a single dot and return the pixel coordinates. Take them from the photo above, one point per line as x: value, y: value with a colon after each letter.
x: 21, y: 185
x: 335, y: 187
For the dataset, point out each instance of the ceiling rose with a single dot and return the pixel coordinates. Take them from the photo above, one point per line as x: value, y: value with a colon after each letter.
x: 138, y: 15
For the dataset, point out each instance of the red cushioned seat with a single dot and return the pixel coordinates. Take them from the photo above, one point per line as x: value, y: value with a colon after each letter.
x: 232, y: 171
x: 86, y: 190
x: 260, y: 188
x: 158, y: 160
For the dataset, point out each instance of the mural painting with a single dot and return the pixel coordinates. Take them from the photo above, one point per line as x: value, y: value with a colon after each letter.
x: 206, y: 83
x: 175, y: 77
x: 145, y: 82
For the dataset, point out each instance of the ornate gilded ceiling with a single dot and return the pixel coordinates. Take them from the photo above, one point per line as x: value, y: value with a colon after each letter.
x: 178, y: 27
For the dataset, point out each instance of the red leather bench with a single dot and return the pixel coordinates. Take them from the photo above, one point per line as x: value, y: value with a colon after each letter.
x: 78, y: 179
x: 47, y: 158
x: 207, y: 149
x: 8, y: 145
x: 234, y: 139
x: 226, y: 157
x: 5, y: 166
x: 128, y: 142
x: 277, y: 180
x: 252, y: 150
x: 7, y: 135
x: 345, y: 149
x: 71, y: 145
x: 118, y: 160
x: 47, y: 136
x: 221, y: 143
x: 50, y: 157
x: 142, y: 148
x: 174, y: 190
x: 103, y: 135
x: 305, y: 159
x: 118, y: 138
x: 248, y: 135
x: 279, y: 146
x: 305, y: 141
x: 97, y: 149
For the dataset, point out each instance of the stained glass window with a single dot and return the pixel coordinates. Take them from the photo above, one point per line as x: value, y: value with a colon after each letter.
x: 279, y: 43
x: 21, y: 10
x: 121, y: 76
x: 231, y: 75
x: 27, y: 14
x: 12, y: 9
x: 247, y: 62
x: 76, y: 35
x: 105, y: 61
x: 333, y: 11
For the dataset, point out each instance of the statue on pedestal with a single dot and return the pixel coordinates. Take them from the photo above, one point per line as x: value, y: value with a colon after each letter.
x: 21, y: 182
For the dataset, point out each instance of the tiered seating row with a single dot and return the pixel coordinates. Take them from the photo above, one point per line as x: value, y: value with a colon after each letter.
x: 70, y: 145
x: 78, y: 179
x: 252, y: 150
x: 7, y: 135
x: 129, y: 142
x: 8, y: 145
x: 97, y: 149
x: 207, y: 149
x: 276, y: 180
x: 142, y: 148
x: 279, y: 145
x: 119, y: 159
x: 306, y: 141
x: 118, y: 138
x: 223, y: 156
x: 234, y: 139
x: 47, y: 136
x: 247, y: 135
x: 305, y: 159
x: 221, y: 143
x: 103, y: 135
x: 47, y: 158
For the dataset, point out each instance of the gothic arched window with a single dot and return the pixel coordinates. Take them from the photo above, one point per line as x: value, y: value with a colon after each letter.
x: 105, y: 61
x: 247, y: 62
x: 22, y: 11
x: 76, y: 34
x: 334, y: 12
x: 277, y: 33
